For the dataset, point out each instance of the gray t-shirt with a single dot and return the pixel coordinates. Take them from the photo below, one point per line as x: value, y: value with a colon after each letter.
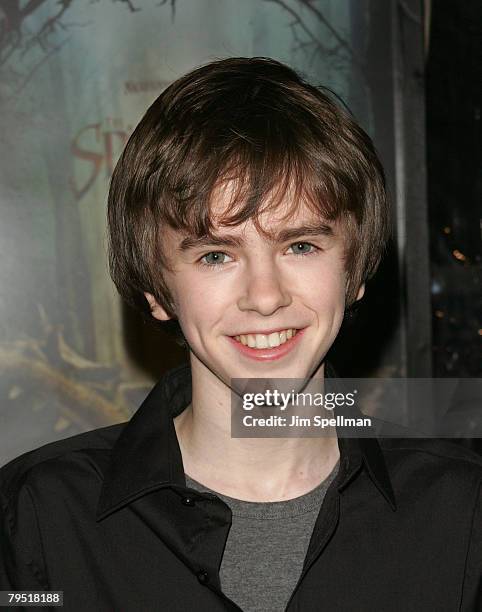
x: 266, y: 547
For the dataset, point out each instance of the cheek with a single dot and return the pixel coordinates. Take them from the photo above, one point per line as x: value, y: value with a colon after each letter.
x: 329, y: 308
x: 208, y: 293
x: 327, y: 290
x: 197, y: 308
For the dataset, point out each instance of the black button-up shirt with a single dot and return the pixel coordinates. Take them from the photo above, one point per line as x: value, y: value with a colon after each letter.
x: 106, y: 517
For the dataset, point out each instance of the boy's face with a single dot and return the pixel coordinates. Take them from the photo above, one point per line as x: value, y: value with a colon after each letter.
x: 259, y: 286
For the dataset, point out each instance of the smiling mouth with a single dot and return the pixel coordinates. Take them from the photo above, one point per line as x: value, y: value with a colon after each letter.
x: 264, y: 341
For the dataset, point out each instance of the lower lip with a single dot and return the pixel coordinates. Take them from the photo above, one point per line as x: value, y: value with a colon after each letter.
x: 268, y: 354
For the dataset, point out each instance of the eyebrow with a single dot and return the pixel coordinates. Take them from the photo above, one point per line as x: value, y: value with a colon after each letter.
x: 192, y: 242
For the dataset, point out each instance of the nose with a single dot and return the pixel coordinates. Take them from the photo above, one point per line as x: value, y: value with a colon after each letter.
x: 264, y: 291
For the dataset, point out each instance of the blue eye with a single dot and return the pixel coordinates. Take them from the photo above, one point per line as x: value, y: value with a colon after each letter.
x: 296, y: 251
x: 217, y: 258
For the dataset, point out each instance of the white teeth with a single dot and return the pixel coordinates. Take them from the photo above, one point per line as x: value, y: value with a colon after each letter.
x: 261, y: 341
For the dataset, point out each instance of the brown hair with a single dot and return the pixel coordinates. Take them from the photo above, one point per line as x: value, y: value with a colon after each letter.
x: 257, y: 122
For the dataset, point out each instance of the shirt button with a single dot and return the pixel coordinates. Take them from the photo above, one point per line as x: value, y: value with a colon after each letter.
x: 203, y: 577
x: 188, y: 501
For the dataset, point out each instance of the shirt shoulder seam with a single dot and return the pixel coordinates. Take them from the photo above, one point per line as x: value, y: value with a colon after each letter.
x: 19, y: 480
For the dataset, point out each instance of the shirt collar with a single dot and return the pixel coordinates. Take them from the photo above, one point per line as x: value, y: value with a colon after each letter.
x: 146, y: 456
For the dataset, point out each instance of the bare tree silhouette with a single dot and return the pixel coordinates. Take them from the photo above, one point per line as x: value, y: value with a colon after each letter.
x: 24, y: 47
x: 312, y: 42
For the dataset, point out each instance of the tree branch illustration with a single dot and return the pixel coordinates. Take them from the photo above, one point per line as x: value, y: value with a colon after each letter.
x: 24, y: 47
x: 79, y: 404
x: 89, y: 394
x: 308, y: 41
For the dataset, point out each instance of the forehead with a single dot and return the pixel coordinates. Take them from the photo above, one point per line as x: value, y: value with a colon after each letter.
x: 305, y: 226
x: 283, y: 215
x: 279, y: 210
x: 269, y: 224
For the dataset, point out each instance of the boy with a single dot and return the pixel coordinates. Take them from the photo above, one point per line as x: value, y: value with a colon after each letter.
x: 247, y: 211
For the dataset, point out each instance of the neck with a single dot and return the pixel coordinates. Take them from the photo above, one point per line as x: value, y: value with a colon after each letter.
x: 252, y: 469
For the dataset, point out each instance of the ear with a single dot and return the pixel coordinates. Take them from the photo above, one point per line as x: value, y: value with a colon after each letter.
x: 157, y: 311
x: 361, y: 292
